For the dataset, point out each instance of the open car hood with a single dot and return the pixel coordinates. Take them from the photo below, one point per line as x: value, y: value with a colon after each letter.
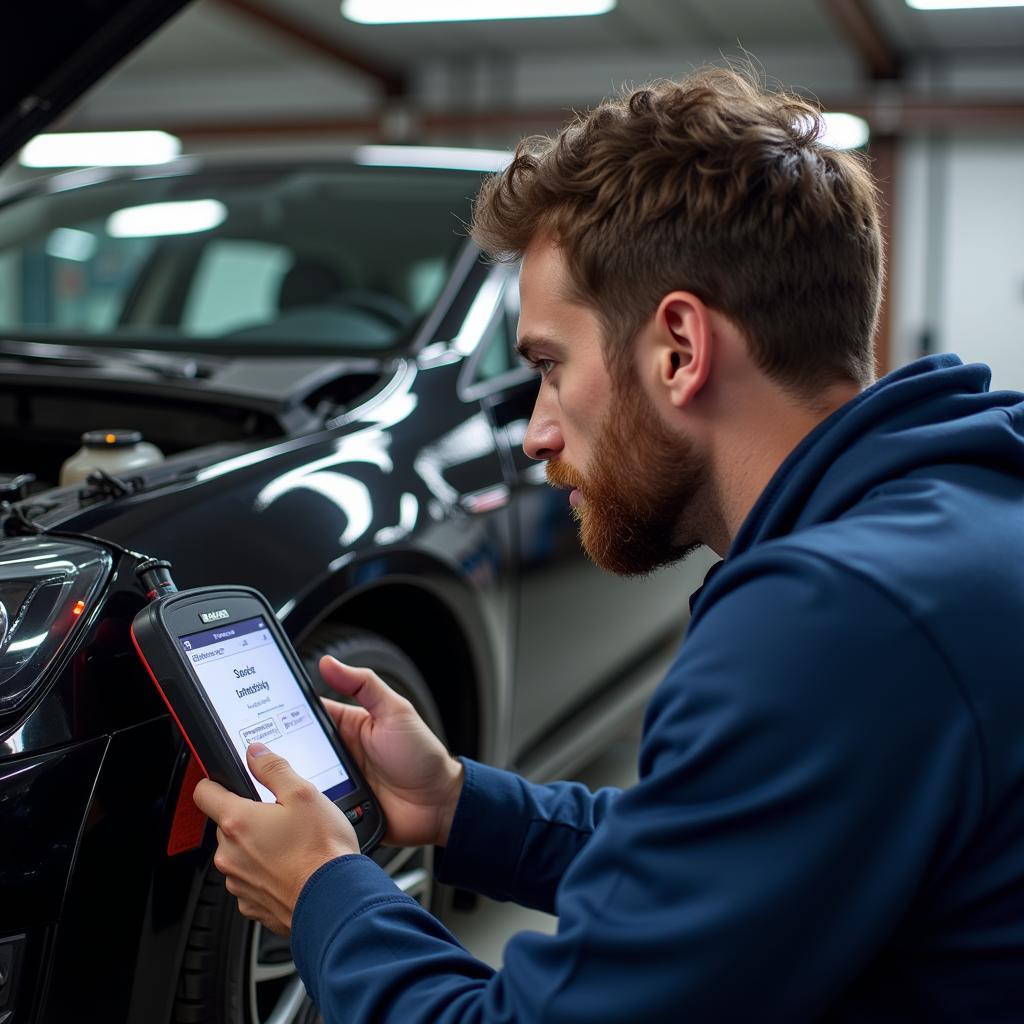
x: 53, y: 52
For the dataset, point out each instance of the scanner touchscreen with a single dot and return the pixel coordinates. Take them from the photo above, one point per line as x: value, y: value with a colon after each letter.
x: 258, y: 700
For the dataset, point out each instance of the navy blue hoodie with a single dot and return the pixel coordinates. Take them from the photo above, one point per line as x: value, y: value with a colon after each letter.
x: 829, y: 819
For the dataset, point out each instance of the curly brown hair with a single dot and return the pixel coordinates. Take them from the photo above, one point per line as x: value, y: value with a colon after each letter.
x: 713, y: 185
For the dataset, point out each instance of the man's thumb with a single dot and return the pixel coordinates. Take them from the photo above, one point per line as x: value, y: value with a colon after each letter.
x: 272, y: 770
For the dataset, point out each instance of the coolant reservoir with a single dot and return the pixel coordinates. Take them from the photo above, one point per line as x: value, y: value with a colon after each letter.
x: 114, y: 451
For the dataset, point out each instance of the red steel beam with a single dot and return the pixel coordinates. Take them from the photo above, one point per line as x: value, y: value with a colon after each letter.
x: 860, y: 30
x: 392, y: 82
x: 887, y: 116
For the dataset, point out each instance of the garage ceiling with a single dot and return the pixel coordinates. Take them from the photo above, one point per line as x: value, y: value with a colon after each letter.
x: 633, y: 23
x: 225, y: 63
x: 943, y: 32
x: 213, y: 33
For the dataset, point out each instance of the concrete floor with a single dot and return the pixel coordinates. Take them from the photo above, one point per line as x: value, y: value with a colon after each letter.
x: 486, y: 928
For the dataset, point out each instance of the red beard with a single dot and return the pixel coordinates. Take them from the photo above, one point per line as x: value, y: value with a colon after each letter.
x: 642, y: 491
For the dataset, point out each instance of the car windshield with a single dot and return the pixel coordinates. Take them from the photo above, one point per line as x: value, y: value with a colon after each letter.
x: 340, y: 258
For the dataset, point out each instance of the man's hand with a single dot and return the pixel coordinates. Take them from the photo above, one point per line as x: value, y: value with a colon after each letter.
x: 266, y: 852
x: 416, y: 781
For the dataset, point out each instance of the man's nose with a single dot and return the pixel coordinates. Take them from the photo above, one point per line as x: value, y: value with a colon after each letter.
x: 543, y: 438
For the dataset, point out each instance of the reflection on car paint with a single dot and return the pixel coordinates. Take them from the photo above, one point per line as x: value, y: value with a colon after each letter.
x: 387, y: 407
x: 369, y: 446
x: 408, y: 514
x: 438, y: 354
x: 486, y: 500
x: 470, y: 440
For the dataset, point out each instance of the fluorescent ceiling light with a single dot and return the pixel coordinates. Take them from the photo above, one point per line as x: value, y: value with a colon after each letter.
x: 181, y: 218
x: 88, y: 149
x: 844, y: 131
x: 961, y: 5
x: 393, y: 12
x: 71, y: 244
x: 444, y: 157
x: 838, y: 131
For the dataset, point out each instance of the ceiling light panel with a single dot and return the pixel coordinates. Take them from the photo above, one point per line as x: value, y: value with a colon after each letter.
x: 961, y: 5
x: 844, y: 131
x: 90, y: 149
x: 396, y: 12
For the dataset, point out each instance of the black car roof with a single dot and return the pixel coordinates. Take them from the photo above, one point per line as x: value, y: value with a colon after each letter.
x: 53, y: 52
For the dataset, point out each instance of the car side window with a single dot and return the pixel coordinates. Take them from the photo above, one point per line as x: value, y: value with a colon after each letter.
x: 498, y: 353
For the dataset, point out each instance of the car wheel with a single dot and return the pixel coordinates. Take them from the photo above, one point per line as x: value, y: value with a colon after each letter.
x: 235, y: 971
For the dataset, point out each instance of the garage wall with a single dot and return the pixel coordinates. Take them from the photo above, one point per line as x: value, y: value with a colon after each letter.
x: 981, y: 305
x: 958, y: 272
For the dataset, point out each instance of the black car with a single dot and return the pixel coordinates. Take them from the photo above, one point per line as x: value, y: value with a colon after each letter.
x: 325, y: 364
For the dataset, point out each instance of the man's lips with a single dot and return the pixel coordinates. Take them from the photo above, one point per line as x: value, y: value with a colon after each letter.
x: 562, y: 477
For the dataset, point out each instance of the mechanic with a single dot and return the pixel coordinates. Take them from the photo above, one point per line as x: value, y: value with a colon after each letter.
x: 829, y: 817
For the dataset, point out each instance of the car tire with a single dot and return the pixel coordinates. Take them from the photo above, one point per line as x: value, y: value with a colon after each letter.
x: 234, y: 970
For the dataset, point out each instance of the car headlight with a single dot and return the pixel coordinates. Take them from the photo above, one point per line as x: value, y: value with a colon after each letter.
x: 47, y: 587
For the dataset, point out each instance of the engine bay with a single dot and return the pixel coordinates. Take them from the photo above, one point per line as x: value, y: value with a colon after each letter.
x: 40, y: 428
x: 45, y: 411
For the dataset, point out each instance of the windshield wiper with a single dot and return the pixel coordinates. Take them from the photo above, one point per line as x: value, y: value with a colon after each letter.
x: 174, y: 367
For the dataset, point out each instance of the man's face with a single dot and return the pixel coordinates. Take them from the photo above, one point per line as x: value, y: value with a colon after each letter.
x: 636, y: 483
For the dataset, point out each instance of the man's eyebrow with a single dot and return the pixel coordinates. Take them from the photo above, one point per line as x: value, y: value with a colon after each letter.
x: 526, y: 347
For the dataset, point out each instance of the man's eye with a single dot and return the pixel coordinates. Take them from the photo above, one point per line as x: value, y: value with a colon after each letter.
x: 538, y: 364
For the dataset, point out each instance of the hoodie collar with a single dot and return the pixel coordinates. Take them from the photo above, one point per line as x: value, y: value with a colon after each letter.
x: 789, y: 498
x: 794, y: 495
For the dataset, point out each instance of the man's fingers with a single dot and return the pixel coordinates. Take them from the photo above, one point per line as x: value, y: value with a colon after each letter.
x: 344, y: 716
x: 213, y: 799
x: 361, y: 684
x: 273, y: 771
x: 348, y: 719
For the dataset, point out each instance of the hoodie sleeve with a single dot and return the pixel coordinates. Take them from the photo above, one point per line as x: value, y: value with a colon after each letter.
x: 807, y: 765
x: 514, y: 840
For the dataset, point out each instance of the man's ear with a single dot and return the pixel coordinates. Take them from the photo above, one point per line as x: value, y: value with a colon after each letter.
x: 682, y: 346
